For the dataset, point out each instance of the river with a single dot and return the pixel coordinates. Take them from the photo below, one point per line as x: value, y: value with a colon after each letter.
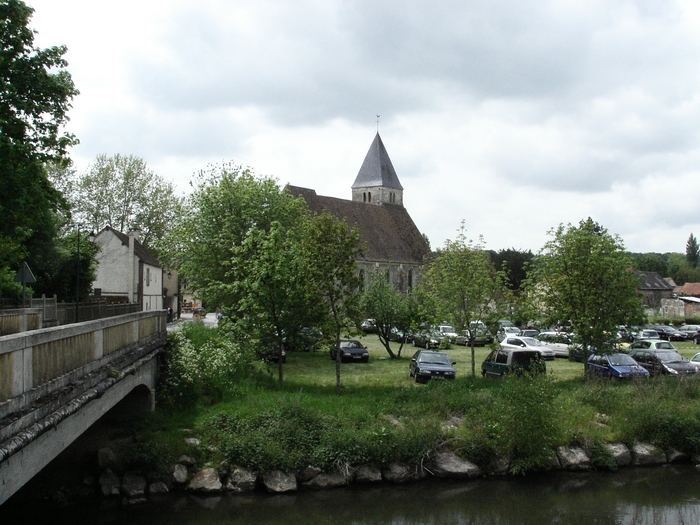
x: 667, y: 495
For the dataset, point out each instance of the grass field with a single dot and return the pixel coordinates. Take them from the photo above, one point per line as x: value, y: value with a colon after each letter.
x: 304, y: 368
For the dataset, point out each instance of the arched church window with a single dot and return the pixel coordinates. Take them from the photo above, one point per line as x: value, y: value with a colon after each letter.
x: 410, y: 279
x: 362, y: 280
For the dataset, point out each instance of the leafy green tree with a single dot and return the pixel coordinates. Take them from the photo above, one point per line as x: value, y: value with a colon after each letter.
x: 463, y: 283
x: 35, y: 95
x: 241, y: 247
x: 692, y: 253
x: 332, y: 249
x: 651, y: 262
x: 515, y: 263
x: 584, y: 276
x: 122, y: 192
x: 388, y: 307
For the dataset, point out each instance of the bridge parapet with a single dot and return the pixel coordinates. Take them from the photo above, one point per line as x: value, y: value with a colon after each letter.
x: 32, y: 363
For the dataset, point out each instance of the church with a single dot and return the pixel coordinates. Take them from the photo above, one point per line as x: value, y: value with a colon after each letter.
x: 393, y: 245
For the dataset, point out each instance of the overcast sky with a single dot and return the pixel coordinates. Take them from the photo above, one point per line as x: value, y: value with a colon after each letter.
x: 515, y: 116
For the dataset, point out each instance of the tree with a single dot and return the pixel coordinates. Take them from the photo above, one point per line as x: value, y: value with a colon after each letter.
x: 333, y: 249
x: 388, y: 307
x: 120, y: 191
x: 463, y: 284
x: 692, y: 253
x: 515, y: 264
x: 651, y: 262
x: 584, y: 276
x: 241, y: 247
x: 35, y: 95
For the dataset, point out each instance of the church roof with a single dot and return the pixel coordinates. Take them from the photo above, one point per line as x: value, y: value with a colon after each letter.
x: 388, y: 232
x: 377, y: 169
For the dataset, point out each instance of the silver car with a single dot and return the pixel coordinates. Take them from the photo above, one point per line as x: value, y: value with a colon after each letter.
x: 529, y: 343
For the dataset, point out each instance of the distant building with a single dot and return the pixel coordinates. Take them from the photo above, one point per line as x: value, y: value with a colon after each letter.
x: 393, y: 244
x: 654, y: 289
x: 127, y: 271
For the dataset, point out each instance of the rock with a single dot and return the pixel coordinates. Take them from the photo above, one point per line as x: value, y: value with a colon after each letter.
x: 158, y: 487
x: 398, y: 473
x: 188, y: 461
x: 647, y: 454
x: 133, y: 484
x: 621, y: 455
x: 573, y: 458
x: 206, y: 480
x: 499, y: 467
x: 192, y: 442
x: 327, y: 480
x: 308, y: 473
x: 394, y: 421
x: 674, y: 456
x: 240, y: 480
x: 106, y: 458
x: 452, y: 423
x: 554, y: 463
x: 180, y: 474
x: 368, y: 474
x: 450, y: 465
x: 109, y: 483
x: 278, y: 481
x: 130, y: 502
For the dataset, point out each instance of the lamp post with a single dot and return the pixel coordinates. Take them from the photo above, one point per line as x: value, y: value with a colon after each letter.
x: 91, y: 237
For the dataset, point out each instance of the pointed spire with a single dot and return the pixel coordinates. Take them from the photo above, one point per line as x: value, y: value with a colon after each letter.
x: 377, y: 169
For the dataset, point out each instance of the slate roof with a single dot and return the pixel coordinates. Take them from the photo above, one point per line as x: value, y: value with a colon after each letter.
x: 690, y: 289
x: 653, y: 281
x: 142, y: 253
x: 377, y: 169
x: 388, y: 232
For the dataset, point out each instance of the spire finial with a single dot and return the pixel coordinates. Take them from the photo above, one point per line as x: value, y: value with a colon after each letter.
x: 377, y: 123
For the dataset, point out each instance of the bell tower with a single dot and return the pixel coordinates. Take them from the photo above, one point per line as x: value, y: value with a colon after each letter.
x: 377, y: 182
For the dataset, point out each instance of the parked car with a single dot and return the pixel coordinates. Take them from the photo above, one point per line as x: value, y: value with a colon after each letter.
x: 559, y: 342
x: 646, y: 334
x: 529, y: 332
x: 428, y: 364
x: 663, y: 362
x: 512, y: 360
x: 447, y: 330
x: 689, y: 330
x: 695, y: 360
x: 369, y: 326
x: 271, y: 355
x: 400, y: 336
x: 351, y: 350
x: 529, y: 343
x: 652, y: 344
x: 507, y: 331
x: 427, y: 339
x: 482, y: 337
x: 615, y: 366
x: 669, y: 333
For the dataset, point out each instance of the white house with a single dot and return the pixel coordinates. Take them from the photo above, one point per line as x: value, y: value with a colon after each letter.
x: 127, y: 270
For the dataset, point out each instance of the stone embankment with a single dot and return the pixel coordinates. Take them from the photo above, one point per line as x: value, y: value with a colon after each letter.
x: 187, y: 475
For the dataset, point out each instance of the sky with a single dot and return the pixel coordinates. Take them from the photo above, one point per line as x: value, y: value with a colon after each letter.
x: 512, y: 116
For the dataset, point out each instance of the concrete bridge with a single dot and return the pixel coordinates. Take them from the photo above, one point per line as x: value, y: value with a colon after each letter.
x: 56, y: 382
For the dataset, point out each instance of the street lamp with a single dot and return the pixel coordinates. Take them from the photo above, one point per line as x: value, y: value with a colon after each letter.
x: 91, y: 238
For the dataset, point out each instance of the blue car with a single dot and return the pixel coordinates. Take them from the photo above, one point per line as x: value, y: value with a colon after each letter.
x: 615, y: 366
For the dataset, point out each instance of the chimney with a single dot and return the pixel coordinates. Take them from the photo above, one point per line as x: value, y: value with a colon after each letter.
x: 136, y: 234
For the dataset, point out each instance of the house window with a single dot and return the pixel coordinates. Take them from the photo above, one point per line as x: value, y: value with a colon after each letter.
x: 148, y: 276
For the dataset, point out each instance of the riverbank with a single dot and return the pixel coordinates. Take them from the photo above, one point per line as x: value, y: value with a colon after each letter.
x: 227, y: 417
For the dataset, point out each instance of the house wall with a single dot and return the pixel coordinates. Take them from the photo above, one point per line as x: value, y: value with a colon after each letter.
x: 113, y: 272
x: 152, y: 284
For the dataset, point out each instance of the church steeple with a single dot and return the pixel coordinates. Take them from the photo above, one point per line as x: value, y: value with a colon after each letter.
x: 377, y: 182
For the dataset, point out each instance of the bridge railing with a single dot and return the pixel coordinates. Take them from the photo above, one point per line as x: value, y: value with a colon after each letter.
x: 31, y: 360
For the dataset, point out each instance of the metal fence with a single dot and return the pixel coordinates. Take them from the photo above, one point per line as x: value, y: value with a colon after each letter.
x: 55, y: 313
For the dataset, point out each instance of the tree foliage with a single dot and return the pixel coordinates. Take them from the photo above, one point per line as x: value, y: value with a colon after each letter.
x: 514, y: 263
x: 692, y: 252
x: 651, y: 262
x: 122, y: 192
x: 389, y: 308
x: 240, y: 247
x: 583, y: 275
x: 35, y: 95
x: 332, y: 249
x: 462, y: 283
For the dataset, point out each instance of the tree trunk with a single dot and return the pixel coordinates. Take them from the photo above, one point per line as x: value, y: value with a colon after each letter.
x: 473, y: 359
x: 279, y: 363
x: 337, y: 360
